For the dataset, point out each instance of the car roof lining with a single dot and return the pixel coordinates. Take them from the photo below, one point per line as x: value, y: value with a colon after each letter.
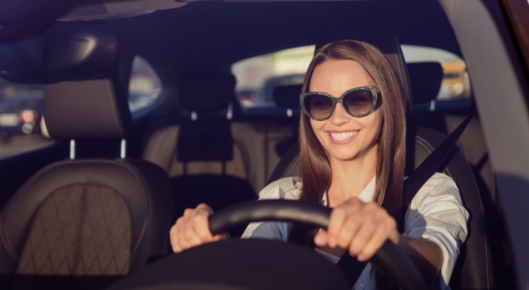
x: 210, y: 36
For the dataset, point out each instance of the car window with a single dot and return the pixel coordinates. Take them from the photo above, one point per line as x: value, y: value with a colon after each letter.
x: 259, y: 75
x: 455, y: 84
x: 22, y: 127
x: 145, y: 86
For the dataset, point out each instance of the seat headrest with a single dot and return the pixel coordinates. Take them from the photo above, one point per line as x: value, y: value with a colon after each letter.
x: 287, y: 97
x: 58, y: 56
x: 426, y: 79
x: 206, y: 92
x: 386, y: 40
x: 205, y: 141
x: 85, y: 77
x: 87, y: 109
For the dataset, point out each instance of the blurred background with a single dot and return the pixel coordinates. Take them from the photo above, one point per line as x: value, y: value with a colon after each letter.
x: 22, y: 127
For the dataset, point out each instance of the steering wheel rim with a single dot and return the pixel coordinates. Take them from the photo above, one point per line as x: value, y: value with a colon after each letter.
x: 388, y: 260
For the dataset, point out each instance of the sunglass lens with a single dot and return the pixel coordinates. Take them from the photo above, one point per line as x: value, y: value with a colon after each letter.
x: 320, y: 107
x: 359, y: 102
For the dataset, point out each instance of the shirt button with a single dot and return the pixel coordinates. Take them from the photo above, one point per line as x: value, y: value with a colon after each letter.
x: 361, y: 287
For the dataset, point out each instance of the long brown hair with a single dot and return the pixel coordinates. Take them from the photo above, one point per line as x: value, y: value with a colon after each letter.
x: 315, y: 167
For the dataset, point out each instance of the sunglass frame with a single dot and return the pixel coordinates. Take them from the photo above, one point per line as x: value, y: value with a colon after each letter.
x: 374, y: 92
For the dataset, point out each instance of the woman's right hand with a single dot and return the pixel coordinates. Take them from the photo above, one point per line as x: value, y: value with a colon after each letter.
x: 192, y: 229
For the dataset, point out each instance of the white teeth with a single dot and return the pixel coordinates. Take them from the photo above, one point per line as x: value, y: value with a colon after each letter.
x: 343, y: 136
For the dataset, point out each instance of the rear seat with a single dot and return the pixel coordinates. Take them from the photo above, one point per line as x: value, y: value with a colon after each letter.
x: 161, y: 150
x: 200, y: 155
x: 257, y: 147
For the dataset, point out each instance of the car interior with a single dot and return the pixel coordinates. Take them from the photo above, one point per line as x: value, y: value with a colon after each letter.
x: 94, y: 207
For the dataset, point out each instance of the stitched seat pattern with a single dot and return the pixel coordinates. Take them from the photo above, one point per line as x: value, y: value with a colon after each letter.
x: 79, y: 230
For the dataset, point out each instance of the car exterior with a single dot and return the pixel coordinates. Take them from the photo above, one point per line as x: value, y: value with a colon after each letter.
x: 21, y: 114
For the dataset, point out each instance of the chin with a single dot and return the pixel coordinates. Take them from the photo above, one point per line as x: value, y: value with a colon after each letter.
x: 344, y: 156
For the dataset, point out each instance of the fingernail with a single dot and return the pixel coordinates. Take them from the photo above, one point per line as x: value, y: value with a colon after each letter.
x: 332, y: 242
x: 361, y: 258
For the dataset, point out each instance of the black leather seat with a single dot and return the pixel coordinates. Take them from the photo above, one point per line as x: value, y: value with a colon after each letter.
x: 205, y: 136
x: 81, y: 224
x: 474, y: 266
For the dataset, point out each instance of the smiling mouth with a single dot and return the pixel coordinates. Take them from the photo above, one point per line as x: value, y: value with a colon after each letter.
x: 343, y: 136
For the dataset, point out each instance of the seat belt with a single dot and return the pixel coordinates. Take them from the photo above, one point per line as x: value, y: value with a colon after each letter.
x: 431, y: 164
x: 350, y: 266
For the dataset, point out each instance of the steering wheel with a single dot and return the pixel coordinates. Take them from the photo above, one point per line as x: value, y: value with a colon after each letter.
x: 388, y: 260
x: 259, y: 264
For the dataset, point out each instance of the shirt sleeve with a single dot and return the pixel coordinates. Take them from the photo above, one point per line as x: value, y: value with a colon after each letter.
x: 284, y: 188
x: 437, y: 214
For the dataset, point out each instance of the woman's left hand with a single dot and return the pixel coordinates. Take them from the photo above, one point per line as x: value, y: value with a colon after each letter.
x: 360, y: 227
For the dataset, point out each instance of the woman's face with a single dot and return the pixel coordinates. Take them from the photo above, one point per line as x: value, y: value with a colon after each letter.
x: 344, y: 137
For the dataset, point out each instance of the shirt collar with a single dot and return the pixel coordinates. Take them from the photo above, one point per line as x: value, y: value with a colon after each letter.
x: 366, y: 195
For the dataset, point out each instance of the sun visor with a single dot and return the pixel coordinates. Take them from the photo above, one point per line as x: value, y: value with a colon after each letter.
x: 58, y: 56
x: 104, y: 9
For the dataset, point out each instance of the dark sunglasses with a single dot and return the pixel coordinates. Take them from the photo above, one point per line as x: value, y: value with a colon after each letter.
x: 358, y: 102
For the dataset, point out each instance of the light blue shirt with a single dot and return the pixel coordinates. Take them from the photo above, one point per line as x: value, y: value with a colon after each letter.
x: 436, y: 213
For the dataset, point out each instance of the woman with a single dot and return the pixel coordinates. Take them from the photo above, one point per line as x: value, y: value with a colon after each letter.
x: 352, y: 150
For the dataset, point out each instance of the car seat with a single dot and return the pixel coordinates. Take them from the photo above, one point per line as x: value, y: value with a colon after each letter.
x: 205, y: 145
x: 83, y: 223
x: 286, y: 97
x: 473, y: 269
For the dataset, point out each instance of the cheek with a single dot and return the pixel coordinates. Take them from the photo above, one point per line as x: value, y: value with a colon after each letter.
x: 317, y: 129
x: 373, y: 124
x: 377, y: 123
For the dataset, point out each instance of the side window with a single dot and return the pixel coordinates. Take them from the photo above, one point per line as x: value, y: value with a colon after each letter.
x: 21, y: 125
x: 257, y: 77
x: 455, y: 83
x: 145, y: 86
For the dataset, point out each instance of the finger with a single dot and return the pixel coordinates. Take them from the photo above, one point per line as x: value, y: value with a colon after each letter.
x: 201, y: 225
x: 173, y: 236
x: 176, y: 235
x: 181, y: 243
x: 188, y: 212
x: 205, y: 207
x: 322, y: 238
x: 176, y: 248
x: 190, y: 236
x: 349, y: 230
x: 220, y: 237
x: 375, y: 243
x: 338, y: 217
x: 361, y: 238
x: 363, y: 235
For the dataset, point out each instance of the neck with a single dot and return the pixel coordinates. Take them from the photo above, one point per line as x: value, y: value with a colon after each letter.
x: 350, y: 177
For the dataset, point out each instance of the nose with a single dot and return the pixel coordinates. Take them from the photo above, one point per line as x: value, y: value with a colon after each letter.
x: 340, y: 116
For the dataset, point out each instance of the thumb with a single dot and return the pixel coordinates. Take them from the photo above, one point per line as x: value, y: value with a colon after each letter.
x: 322, y: 238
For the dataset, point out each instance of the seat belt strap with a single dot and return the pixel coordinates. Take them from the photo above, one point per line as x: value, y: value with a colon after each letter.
x: 432, y: 163
x: 350, y: 266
